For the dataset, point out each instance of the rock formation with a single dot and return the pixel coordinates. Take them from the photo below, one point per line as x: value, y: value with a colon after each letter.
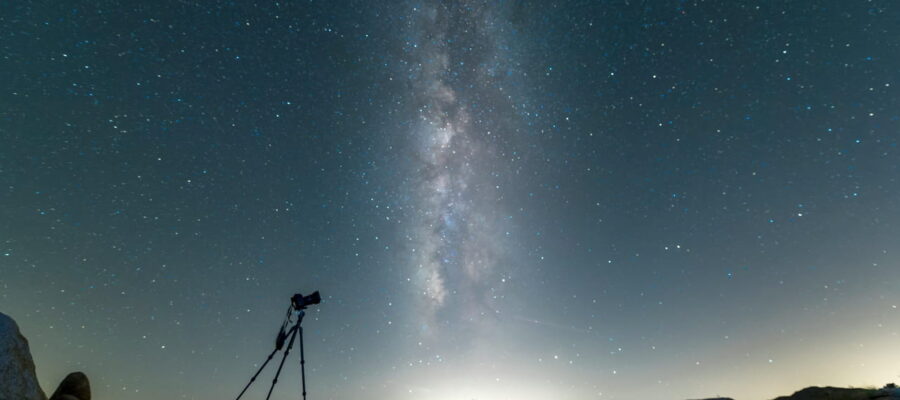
x: 17, y: 378
x: 74, y: 387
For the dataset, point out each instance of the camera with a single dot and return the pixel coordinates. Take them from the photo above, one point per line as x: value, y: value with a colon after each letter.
x: 300, y: 301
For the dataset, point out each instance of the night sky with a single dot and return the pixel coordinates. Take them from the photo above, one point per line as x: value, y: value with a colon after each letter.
x: 497, y: 200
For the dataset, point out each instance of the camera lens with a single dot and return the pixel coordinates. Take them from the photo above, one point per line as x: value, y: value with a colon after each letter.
x: 314, y: 298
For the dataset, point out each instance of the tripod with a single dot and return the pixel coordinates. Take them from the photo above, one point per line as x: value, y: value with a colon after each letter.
x: 293, y: 332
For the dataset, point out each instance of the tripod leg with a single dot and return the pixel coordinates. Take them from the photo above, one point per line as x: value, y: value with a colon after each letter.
x: 257, y: 373
x: 302, y: 364
x: 286, y: 352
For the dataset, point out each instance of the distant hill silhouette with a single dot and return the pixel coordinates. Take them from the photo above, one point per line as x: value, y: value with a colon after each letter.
x: 889, y: 392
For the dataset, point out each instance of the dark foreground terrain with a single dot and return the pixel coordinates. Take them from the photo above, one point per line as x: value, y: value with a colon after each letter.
x: 18, y: 381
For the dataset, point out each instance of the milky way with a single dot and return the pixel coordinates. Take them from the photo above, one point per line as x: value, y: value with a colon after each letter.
x: 457, y: 228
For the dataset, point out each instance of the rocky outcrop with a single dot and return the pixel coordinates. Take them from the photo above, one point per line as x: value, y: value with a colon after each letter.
x: 17, y: 378
x: 74, y: 387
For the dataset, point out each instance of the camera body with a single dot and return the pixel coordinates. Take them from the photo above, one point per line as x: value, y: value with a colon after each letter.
x: 300, y: 301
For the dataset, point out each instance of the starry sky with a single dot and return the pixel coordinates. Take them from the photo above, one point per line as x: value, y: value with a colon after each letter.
x: 521, y: 200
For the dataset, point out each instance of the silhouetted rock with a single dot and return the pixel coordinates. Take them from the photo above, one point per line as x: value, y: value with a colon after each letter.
x: 74, y: 387
x: 718, y: 398
x: 833, y: 393
x: 17, y: 378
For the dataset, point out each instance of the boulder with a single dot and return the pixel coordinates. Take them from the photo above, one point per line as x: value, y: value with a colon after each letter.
x: 74, y: 387
x: 17, y: 377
